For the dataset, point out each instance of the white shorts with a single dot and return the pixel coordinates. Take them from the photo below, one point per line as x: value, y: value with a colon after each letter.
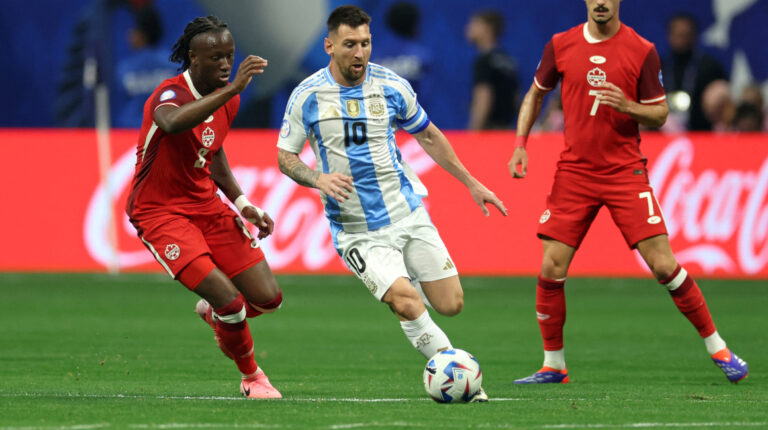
x: 410, y: 248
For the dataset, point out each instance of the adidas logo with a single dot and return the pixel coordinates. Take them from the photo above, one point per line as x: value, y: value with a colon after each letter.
x: 331, y: 112
x: 448, y: 264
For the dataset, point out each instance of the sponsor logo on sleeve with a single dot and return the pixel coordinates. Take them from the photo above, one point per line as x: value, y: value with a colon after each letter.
x: 544, y: 217
x: 167, y: 95
x: 285, y: 129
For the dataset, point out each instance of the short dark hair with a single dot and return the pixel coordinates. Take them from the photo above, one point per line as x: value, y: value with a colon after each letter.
x: 494, y: 19
x: 148, y: 23
x: 199, y: 25
x: 684, y: 16
x: 403, y: 18
x: 350, y: 15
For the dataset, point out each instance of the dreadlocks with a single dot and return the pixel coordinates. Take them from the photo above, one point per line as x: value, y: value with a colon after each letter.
x: 180, y: 51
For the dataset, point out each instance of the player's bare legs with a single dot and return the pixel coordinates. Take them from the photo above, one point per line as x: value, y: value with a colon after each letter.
x: 550, y: 311
x: 445, y: 295
x: 260, y: 289
x: 657, y: 253
x: 230, y: 326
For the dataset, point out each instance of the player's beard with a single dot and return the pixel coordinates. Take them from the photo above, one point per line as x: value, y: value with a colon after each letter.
x: 352, y: 76
x: 604, y: 20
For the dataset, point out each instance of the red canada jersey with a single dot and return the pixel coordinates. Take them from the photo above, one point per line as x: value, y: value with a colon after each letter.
x: 600, y: 141
x: 172, y: 170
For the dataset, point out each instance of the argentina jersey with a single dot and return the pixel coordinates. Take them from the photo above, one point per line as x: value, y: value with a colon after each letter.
x: 352, y: 131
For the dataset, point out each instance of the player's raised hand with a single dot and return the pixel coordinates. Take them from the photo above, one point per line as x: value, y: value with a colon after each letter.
x: 482, y: 196
x: 252, y: 65
x: 519, y: 158
x: 260, y: 219
x: 614, y: 97
x: 336, y: 185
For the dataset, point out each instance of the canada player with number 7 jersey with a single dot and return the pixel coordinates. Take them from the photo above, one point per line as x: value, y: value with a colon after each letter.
x: 610, y: 82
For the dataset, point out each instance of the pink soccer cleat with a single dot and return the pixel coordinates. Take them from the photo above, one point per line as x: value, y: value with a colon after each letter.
x: 258, y: 387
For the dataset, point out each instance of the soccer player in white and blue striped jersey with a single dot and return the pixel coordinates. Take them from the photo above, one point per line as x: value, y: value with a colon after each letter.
x: 349, y: 112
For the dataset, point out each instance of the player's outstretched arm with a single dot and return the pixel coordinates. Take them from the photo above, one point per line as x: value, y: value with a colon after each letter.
x: 652, y: 115
x: 222, y: 176
x: 336, y: 185
x: 172, y: 119
x: 529, y: 111
x: 437, y: 146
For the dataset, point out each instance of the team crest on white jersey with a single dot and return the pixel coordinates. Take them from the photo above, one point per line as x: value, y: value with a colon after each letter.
x: 544, y: 217
x: 208, y: 137
x: 353, y: 107
x: 172, y: 251
x: 596, y: 77
x: 375, y: 107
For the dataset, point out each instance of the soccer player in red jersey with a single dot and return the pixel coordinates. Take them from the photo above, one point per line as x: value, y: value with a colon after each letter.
x: 610, y: 82
x: 173, y: 204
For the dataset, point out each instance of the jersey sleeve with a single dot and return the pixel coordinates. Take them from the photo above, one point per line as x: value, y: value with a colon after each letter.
x: 410, y: 115
x: 293, y: 131
x: 547, y: 75
x: 233, y: 107
x: 173, y: 95
x: 649, y: 86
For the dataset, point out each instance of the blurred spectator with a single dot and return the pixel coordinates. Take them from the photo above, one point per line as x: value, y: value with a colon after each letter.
x: 750, y: 114
x: 717, y: 105
x: 138, y: 74
x: 405, y: 54
x: 494, y: 95
x: 687, y: 71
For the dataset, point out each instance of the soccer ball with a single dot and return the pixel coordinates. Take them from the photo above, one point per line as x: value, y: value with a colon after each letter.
x: 452, y: 376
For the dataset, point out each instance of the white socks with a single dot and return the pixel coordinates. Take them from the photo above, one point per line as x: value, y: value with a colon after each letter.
x: 425, y: 335
x: 714, y: 343
x: 555, y: 359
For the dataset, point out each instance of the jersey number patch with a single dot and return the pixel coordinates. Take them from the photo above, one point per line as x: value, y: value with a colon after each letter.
x: 355, y: 132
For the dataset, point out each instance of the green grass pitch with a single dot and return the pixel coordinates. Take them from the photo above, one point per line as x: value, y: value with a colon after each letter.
x: 87, y: 351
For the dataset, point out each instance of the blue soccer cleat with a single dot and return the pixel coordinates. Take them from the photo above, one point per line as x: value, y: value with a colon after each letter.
x: 735, y: 368
x: 546, y: 375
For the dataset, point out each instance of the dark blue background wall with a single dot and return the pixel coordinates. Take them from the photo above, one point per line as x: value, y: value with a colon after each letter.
x: 38, y: 35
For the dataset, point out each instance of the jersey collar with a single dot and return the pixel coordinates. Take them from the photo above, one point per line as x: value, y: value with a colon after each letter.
x: 191, y: 86
x: 588, y: 37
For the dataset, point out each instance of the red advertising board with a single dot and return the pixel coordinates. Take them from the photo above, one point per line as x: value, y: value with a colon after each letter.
x: 713, y: 190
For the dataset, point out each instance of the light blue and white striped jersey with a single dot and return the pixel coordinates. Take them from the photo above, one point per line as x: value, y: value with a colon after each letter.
x: 352, y: 131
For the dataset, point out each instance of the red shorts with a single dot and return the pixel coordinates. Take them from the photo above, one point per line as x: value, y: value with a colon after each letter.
x: 574, y: 202
x: 175, y: 239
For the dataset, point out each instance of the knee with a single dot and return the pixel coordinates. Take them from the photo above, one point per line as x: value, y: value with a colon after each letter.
x: 662, y: 266
x: 409, y: 305
x: 451, y: 307
x: 553, y: 268
x: 270, y: 306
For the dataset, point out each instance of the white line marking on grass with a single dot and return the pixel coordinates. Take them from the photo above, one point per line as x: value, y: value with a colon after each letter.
x: 654, y: 425
x: 73, y: 427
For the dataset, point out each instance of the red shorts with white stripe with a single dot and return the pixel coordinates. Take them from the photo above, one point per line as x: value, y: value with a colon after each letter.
x: 175, y: 239
x: 574, y: 202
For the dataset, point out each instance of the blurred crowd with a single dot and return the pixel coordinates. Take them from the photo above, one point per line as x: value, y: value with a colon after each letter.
x: 699, y: 94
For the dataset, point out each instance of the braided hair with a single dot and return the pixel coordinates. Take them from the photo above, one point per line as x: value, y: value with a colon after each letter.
x: 180, y: 51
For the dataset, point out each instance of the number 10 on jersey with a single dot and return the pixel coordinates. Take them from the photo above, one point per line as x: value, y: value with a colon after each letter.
x: 355, y: 132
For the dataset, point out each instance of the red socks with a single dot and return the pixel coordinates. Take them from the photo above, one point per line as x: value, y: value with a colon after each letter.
x: 270, y: 306
x: 689, y: 300
x: 550, y: 311
x: 232, y: 329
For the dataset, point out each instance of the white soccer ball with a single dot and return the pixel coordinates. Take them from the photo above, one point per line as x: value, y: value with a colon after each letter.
x: 452, y: 376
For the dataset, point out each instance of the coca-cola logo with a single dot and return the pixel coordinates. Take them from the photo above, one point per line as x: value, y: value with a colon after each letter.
x: 301, y: 234
x: 718, y: 220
